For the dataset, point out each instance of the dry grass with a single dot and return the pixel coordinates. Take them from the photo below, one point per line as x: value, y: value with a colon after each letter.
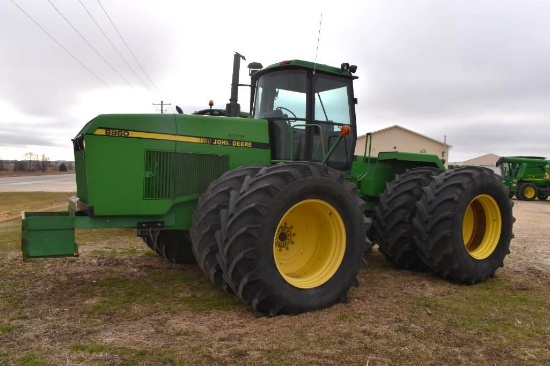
x: 11, y: 205
x: 119, y: 304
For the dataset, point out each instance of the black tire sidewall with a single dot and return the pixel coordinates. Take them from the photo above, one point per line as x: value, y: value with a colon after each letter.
x: 297, y: 299
x: 491, y: 187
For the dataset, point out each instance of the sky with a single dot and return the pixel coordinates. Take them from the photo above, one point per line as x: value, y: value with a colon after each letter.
x: 475, y: 73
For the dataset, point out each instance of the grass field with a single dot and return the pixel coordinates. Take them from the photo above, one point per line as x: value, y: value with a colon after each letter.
x: 121, y: 304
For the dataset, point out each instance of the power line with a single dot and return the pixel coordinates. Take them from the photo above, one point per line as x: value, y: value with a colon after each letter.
x: 162, y: 104
x: 88, y: 43
x: 116, y: 49
x: 128, y: 47
x: 60, y: 45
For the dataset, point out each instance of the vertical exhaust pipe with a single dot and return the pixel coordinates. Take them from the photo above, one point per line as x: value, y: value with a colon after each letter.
x: 233, y: 109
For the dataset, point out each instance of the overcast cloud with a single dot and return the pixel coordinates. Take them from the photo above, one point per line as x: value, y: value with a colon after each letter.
x: 475, y: 72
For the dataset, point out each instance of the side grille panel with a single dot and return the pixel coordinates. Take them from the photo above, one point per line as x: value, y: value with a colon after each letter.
x: 170, y: 175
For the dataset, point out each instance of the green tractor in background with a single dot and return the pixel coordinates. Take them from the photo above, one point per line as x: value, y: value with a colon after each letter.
x: 527, y: 177
x: 276, y: 207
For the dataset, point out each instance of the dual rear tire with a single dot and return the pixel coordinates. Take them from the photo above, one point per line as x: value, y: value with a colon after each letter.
x: 464, y: 225
x: 460, y: 227
x: 293, y: 239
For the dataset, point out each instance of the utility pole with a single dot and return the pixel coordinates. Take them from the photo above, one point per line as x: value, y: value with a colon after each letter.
x: 162, y: 104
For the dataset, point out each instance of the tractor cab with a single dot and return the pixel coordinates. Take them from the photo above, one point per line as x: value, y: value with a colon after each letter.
x: 310, y: 109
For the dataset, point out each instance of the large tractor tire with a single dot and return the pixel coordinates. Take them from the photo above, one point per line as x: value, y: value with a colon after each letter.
x: 293, y: 238
x: 526, y: 191
x: 206, y: 220
x: 464, y: 224
x: 392, y: 224
x: 174, y: 245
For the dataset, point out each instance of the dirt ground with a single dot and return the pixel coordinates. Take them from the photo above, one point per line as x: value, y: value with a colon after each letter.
x: 530, y: 248
x: 120, y: 305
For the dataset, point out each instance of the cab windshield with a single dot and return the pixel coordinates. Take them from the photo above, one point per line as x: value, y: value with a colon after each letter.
x: 305, y: 114
x: 509, y: 170
x: 282, y: 94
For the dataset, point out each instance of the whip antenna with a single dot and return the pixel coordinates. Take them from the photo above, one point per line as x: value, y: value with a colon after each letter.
x: 318, y: 38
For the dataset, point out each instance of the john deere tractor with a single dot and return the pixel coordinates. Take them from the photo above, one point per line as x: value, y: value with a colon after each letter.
x: 276, y: 207
x: 527, y: 177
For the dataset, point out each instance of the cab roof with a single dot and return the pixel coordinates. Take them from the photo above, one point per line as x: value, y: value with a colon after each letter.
x: 300, y: 64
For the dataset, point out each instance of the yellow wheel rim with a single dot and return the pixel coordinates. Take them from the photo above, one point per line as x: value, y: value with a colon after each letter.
x: 481, y: 226
x: 309, y: 243
x: 529, y: 192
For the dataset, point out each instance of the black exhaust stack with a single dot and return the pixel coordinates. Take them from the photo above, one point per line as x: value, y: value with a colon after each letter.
x: 233, y: 108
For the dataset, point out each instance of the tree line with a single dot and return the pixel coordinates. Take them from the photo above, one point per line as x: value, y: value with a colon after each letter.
x: 35, y: 163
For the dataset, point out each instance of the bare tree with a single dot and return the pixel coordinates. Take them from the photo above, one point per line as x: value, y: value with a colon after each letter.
x: 31, y: 158
x: 3, y: 165
x: 44, y: 163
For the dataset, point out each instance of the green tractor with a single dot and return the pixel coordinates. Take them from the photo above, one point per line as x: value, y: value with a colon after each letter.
x: 276, y: 207
x: 527, y: 177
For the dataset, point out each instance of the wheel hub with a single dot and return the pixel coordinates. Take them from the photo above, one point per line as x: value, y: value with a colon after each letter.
x: 285, y: 237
